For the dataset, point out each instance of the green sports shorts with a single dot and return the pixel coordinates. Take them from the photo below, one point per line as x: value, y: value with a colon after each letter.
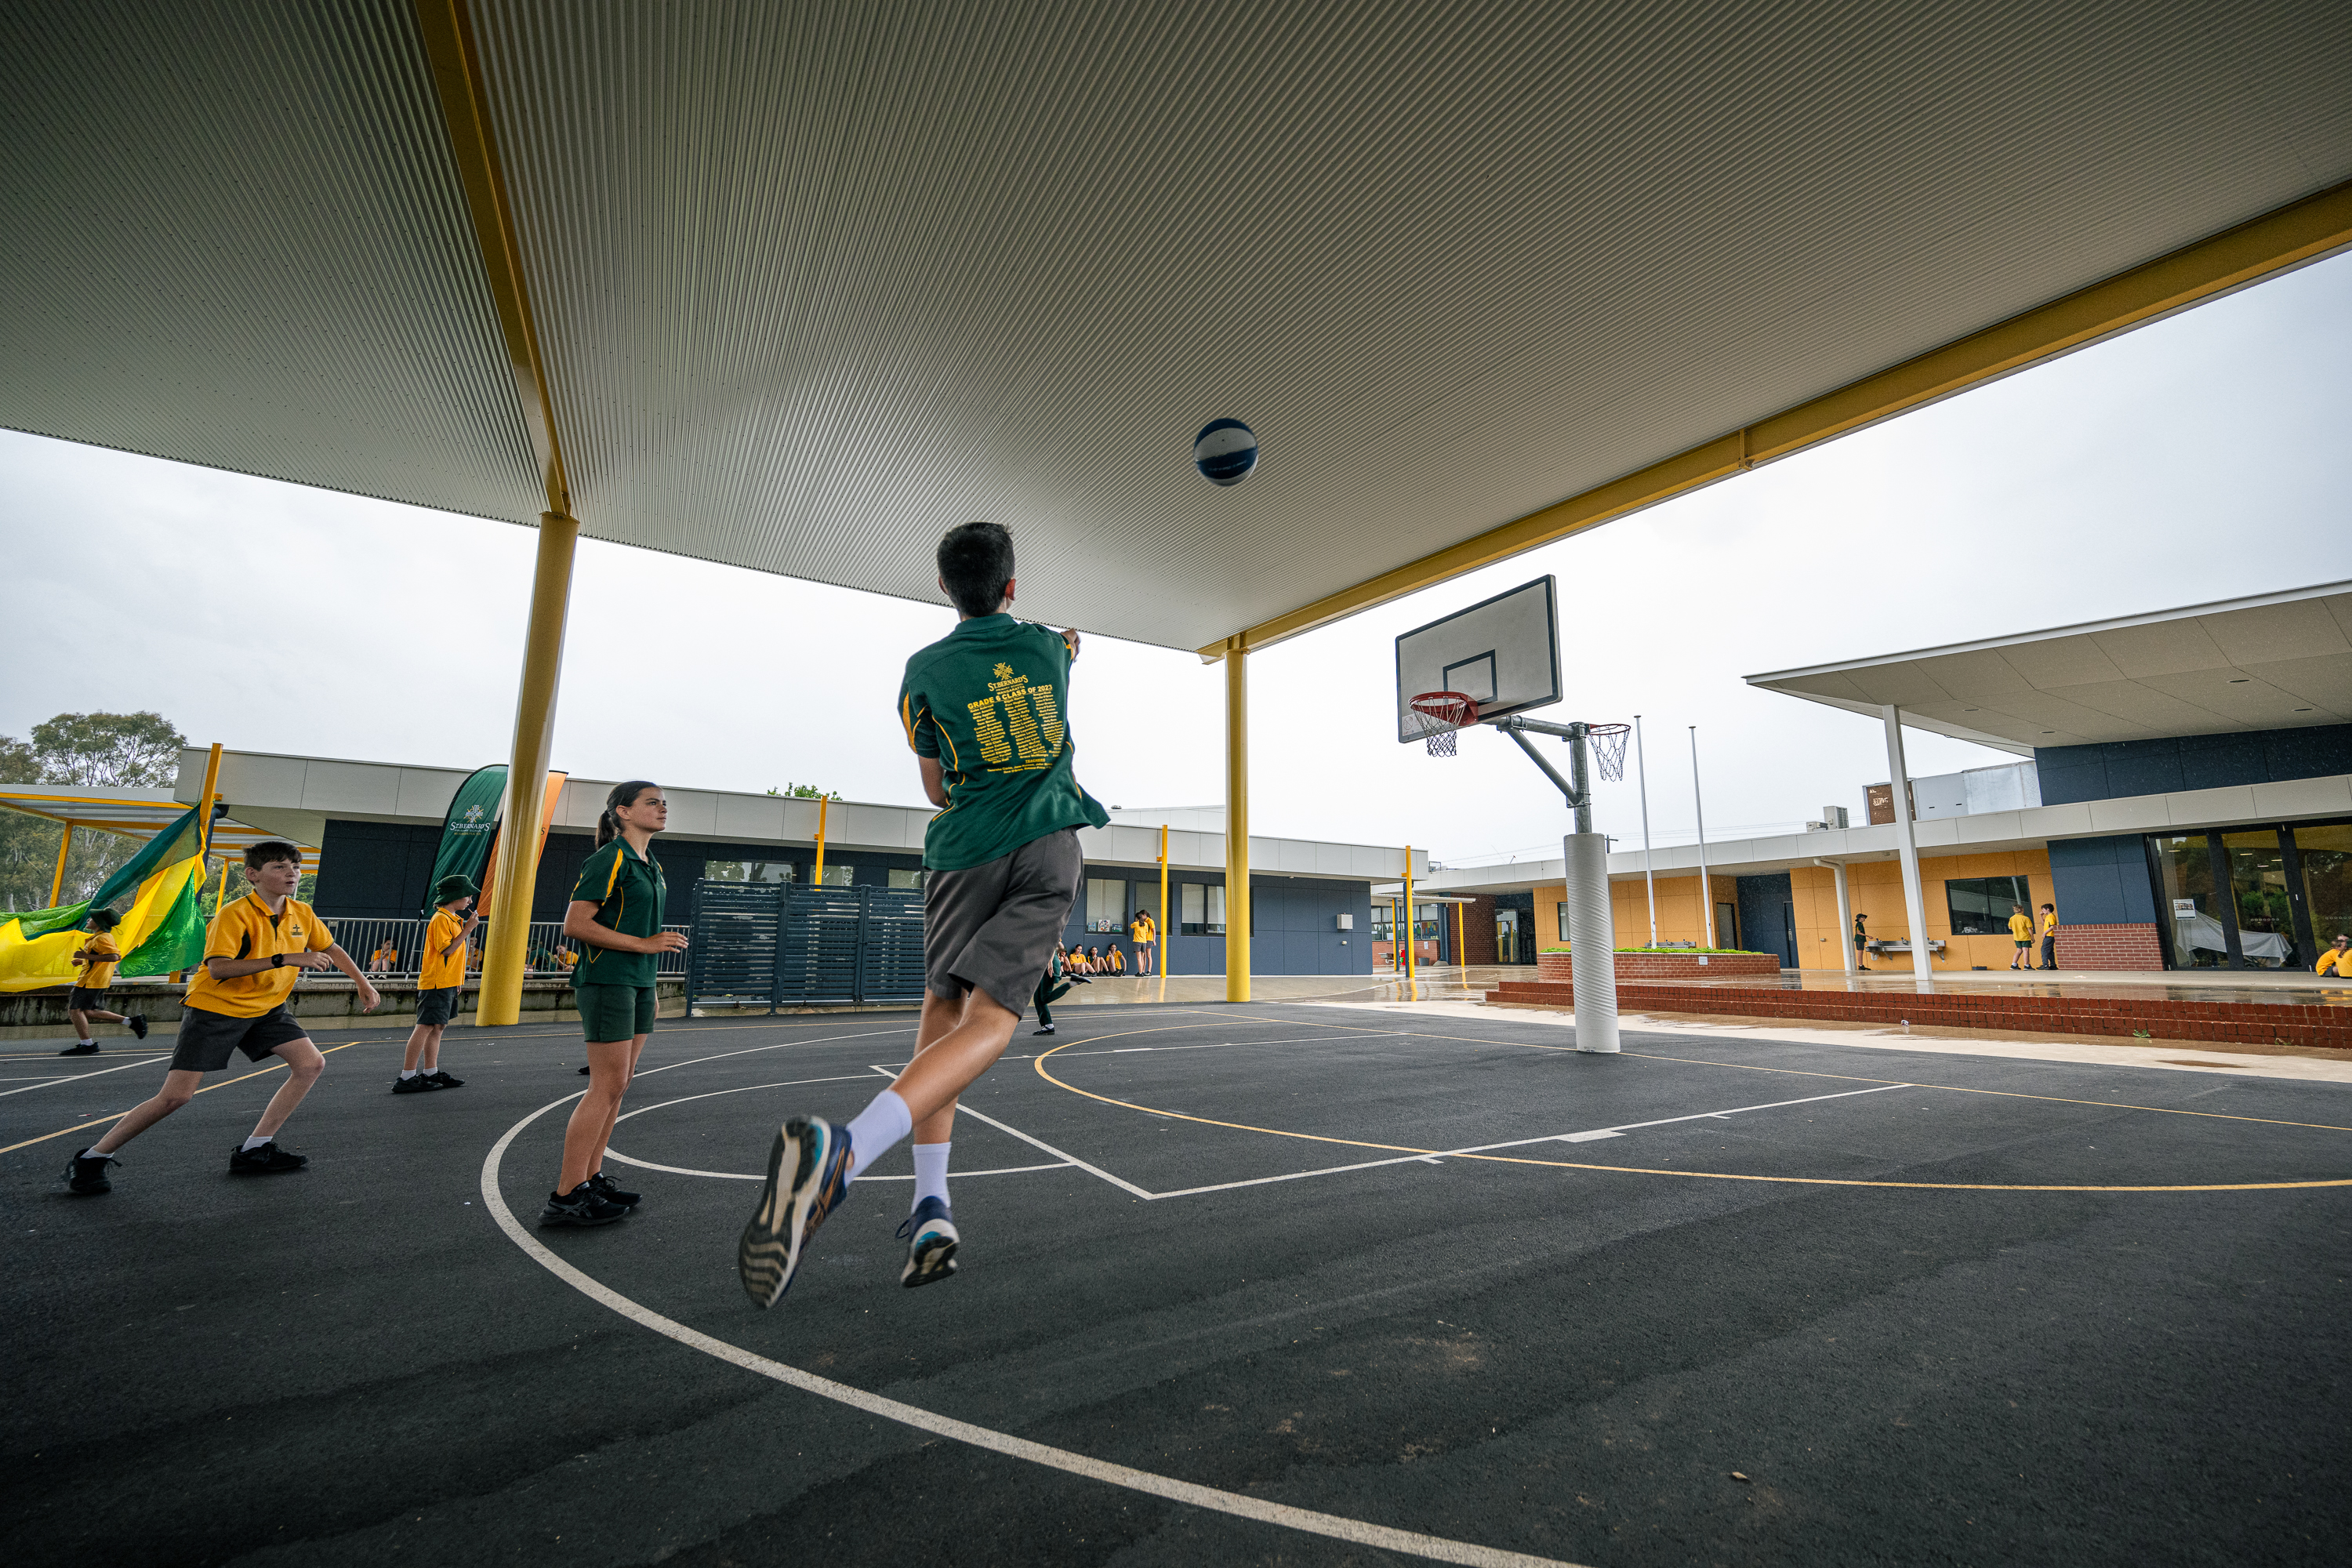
x: 615, y: 1012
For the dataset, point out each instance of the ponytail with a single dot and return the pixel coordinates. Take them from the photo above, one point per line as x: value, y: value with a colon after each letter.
x: 608, y: 826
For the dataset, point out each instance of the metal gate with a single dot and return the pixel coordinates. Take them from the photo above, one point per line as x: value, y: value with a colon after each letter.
x: 788, y: 945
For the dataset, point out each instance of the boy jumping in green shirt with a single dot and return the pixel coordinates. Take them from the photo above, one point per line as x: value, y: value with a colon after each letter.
x: 986, y: 712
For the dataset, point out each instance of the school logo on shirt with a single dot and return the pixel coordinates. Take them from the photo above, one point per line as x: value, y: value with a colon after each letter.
x: 1017, y: 720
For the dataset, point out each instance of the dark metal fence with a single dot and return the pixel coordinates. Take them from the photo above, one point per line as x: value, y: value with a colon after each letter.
x: 789, y: 945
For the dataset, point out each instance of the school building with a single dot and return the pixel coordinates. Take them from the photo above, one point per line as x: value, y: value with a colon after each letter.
x: 2185, y: 800
x: 377, y: 827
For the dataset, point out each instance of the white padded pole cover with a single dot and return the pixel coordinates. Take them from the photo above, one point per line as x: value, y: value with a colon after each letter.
x: 1593, y: 942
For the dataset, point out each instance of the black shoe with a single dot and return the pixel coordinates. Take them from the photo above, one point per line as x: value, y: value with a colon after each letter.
x: 583, y: 1072
x: 86, y: 1172
x: 1047, y: 1030
x: 443, y: 1080
x: 583, y: 1205
x: 268, y: 1160
x: 421, y: 1084
x: 604, y: 1189
x: 138, y: 1022
x: 80, y: 1049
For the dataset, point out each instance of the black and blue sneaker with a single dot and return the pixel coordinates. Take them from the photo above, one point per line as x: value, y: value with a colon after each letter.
x: 808, y: 1175
x: 930, y: 1236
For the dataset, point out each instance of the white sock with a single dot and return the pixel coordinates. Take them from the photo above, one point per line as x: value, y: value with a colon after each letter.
x: 408, y: 1072
x: 257, y: 1140
x: 932, y: 1171
x: 876, y: 1130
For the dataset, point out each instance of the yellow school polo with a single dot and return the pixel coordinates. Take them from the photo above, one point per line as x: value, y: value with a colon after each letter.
x: 439, y: 974
x: 2021, y: 927
x: 98, y: 973
x: 2049, y: 923
x: 247, y: 928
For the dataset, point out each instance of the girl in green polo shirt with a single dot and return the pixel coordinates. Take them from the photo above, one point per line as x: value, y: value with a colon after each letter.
x: 616, y: 917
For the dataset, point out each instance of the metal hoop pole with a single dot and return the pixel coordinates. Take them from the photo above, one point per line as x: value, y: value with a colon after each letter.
x: 1649, y: 872
x: 1579, y: 774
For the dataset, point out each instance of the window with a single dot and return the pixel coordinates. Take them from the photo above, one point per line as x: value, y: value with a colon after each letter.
x: 1203, y: 907
x: 1428, y: 921
x: 1561, y: 908
x: 751, y: 870
x: 1383, y: 923
x: 840, y: 876
x: 902, y: 877
x: 1507, y: 936
x: 1105, y: 903
x: 1980, y: 905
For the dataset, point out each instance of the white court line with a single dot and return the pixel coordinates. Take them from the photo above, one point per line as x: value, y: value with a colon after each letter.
x: 78, y: 1076
x: 1062, y: 1155
x: 1436, y: 1548
x: 1519, y: 1143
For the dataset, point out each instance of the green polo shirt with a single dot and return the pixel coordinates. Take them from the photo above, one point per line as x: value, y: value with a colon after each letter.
x: 626, y: 889
x: 991, y: 701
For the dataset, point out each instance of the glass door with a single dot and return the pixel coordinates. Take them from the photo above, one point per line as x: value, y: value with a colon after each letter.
x: 2326, y: 854
x: 2258, y: 897
x: 1507, y: 936
x: 2192, y: 910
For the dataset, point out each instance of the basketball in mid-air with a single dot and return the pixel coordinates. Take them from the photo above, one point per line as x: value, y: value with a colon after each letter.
x: 1224, y: 451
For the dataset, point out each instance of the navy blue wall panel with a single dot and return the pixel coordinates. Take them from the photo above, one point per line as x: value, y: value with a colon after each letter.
x: 2118, y: 768
x: 1764, y: 905
x: 374, y: 871
x: 2101, y: 881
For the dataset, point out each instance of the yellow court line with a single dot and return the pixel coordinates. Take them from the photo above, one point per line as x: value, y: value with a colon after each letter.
x: 1039, y: 1063
x: 110, y: 1121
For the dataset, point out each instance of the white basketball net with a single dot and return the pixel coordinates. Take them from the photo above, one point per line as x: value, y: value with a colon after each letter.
x: 1608, y: 743
x: 1437, y: 716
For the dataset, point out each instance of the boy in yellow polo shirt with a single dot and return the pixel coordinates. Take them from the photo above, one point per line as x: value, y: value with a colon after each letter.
x: 95, y: 959
x: 440, y: 984
x: 258, y: 947
x: 2049, y: 936
x: 2021, y: 931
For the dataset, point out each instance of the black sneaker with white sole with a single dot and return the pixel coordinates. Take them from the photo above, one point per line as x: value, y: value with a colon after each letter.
x: 138, y: 1022
x: 808, y: 1175
x: 80, y: 1049
x: 583, y: 1205
x: 86, y: 1173
x: 603, y: 1187
x: 420, y: 1083
x: 443, y: 1080
x: 268, y: 1160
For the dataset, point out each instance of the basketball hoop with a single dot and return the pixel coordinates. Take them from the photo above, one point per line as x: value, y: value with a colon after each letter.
x: 1438, y: 716
x: 1608, y: 741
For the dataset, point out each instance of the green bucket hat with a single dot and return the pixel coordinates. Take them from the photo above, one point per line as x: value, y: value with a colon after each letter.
x: 453, y: 887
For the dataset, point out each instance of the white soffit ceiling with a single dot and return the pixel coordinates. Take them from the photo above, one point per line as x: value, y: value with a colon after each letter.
x: 2279, y: 661
x: 814, y: 282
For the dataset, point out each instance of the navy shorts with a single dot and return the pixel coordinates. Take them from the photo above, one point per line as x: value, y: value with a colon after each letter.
x: 207, y: 1040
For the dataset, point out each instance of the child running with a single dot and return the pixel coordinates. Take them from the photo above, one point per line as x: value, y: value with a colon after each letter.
x: 440, y: 984
x: 258, y: 946
x: 616, y: 915
x: 1047, y: 993
x: 986, y: 710
x: 95, y: 959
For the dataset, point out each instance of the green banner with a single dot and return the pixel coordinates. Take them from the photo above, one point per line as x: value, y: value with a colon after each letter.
x: 468, y: 828
x: 176, y: 943
x: 176, y: 842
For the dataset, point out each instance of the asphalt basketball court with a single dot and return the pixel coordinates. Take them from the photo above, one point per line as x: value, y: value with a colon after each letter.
x: 1280, y: 1284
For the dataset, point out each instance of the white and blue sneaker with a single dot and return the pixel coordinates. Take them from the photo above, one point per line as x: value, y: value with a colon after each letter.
x: 808, y: 1175
x: 931, y: 1242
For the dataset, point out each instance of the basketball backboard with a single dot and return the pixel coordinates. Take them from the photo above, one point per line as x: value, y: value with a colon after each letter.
x: 1501, y: 653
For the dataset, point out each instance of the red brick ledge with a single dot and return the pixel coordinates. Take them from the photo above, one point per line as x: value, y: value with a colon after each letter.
x: 2221, y: 1022
x: 1555, y: 966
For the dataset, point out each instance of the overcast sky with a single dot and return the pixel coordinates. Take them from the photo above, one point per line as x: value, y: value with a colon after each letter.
x: 2199, y: 458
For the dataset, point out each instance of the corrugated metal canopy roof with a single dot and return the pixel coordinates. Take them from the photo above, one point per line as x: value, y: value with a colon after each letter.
x: 814, y: 282
x: 2277, y: 661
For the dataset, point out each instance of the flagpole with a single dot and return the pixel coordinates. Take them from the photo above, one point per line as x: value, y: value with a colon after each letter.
x: 1649, y: 873
x: 1705, y: 889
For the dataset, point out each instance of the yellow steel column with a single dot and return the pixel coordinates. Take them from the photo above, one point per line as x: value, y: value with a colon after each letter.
x: 823, y: 803
x: 1412, y: 923
x: 58, y: 878
x: 1461, y: 941
x: 1237, y: 864
x: 204, y: 802
x: 505, y: 950
x: 1159, y: 919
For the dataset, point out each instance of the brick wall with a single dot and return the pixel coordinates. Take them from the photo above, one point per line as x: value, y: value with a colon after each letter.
x: 1557, y: 966
x: 1478, y: 930
x: 2223, y: 1023
x: 2109, y: 947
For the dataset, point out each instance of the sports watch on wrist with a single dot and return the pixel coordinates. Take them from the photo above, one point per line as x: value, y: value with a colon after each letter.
x: 276, y: 960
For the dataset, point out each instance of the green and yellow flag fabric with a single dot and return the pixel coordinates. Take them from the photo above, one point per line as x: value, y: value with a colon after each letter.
x: 163, y: 930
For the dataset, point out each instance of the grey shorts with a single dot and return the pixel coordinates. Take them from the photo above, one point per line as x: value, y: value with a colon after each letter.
x: 435, y: 1007
x: 207, y: 1040
x: 993, y: 927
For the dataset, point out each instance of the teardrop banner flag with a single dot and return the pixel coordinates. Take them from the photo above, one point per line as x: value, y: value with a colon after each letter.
x: 555, y: 783
x: 467, y: 830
